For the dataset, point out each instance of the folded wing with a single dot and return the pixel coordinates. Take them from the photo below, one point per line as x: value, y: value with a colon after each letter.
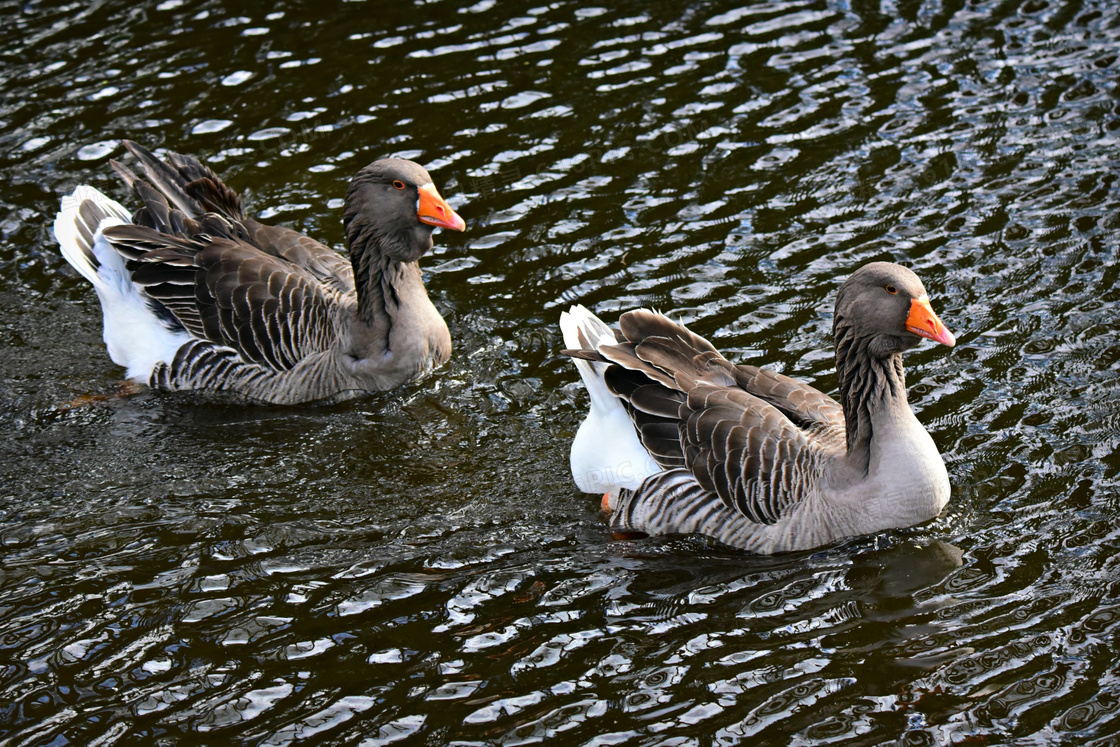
x: 229, y: 293
x: 748, y: 436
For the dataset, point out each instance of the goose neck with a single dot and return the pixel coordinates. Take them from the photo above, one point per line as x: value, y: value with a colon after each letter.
x: 872, y: 390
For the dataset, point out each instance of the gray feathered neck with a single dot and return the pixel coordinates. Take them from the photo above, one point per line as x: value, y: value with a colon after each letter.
x: 868, y: 379
x: 385, y: 243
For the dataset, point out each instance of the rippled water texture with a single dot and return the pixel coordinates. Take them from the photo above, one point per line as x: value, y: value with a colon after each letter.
x: 416, y: 567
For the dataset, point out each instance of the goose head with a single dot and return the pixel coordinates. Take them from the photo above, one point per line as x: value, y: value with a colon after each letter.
x: 392, y: 207
x: 886, y: 306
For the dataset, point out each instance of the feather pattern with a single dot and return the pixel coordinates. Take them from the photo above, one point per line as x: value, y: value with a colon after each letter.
x: 263, y: 311
x: 760, y: 460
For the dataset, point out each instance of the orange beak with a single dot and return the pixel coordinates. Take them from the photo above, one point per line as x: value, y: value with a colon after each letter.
x: 924, y: 323
x: 434, y: 210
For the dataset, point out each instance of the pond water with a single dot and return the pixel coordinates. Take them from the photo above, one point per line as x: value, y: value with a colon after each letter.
x: 416, y: 567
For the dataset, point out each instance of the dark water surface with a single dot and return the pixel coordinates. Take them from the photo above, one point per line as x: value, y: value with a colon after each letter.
x: 416, y: 567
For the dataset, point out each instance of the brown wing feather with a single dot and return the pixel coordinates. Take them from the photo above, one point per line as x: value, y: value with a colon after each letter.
x: 269, y: 310
x: 798, y: 401
x: 185, y: 182
x: 229, y: 293
x: 640, y: 324
x: 325, y: 264
x: 182, y: 196
x: 270, y: 293
x: 657, y: 400
x: 747, y: 435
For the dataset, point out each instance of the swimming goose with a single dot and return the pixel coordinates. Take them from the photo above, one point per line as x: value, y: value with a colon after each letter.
x: 196, y: 295
x: 684, y: 441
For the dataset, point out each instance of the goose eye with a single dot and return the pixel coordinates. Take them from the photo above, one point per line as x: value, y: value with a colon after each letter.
x: 892, y: 290
x: 398, y: 184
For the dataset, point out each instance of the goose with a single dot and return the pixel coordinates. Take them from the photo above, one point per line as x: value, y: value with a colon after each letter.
x: 682, y: 441
x: 196, y: 295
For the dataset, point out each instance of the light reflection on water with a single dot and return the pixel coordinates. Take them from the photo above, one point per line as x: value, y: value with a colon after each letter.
x: 415, y: 567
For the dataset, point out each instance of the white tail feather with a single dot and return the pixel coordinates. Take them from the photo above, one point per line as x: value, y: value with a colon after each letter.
x: 76, y: 249
x: 606, y: 452
x: 136, y: 338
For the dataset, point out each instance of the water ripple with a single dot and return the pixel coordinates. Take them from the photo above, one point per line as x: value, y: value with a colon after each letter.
x: 415, y: 567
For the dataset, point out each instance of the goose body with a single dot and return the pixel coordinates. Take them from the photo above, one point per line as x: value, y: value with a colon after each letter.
x: 196, y: 295
x: 752, y: 458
